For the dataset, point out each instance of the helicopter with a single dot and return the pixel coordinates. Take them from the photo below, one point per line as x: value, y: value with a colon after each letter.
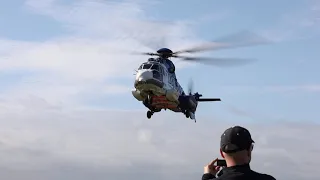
x: 157, y: 87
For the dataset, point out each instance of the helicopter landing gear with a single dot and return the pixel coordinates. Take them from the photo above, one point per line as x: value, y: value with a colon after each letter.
x: 190, y: 115
x: 187, y: 114
x: 149, y: 114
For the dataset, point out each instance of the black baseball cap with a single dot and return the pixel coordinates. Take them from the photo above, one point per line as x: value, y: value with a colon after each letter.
x: 235, y: 139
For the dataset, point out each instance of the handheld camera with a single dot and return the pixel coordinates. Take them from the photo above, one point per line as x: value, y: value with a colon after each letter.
x: 221, y: 163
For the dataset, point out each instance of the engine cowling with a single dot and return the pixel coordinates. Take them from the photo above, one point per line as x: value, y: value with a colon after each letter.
x: 192, y: 103
x: 188, y: 103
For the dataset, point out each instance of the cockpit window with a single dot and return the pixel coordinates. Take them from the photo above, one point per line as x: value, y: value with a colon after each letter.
x: 155, y: 67
x: 147, y: 66
x: 157, y: 70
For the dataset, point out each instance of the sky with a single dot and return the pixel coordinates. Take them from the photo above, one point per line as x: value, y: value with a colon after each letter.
x: 67, y: 111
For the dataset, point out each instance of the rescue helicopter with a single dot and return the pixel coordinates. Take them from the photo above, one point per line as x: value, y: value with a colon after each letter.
x: 156, y: 84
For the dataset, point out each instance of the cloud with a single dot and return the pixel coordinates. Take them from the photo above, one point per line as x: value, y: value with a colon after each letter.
x: 302, y: 88
x: 69, y: 143
x: 47, y: 133
x: 66, y: 68
x: 300, y: 24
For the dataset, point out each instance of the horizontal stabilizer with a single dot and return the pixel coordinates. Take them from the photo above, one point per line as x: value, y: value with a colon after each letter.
x: 209, y: 99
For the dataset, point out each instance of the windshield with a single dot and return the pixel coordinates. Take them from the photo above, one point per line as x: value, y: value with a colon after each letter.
x: 145, y: 66
x: 157, y: 69
x: 151, y: 66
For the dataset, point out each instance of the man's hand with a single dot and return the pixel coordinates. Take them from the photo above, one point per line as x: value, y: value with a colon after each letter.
x: 211, y: 168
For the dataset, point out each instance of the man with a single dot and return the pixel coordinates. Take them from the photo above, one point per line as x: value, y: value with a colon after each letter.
x: 235, y: 147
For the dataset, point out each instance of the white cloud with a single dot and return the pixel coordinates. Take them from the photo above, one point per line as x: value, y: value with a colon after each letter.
x: 47, y: 134
x: 101, y: 32
x: 95, y: 50
x: 300, y: 24
x: 104, y: 142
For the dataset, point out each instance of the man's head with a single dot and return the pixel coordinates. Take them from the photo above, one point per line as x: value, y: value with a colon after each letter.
x: 236, y: 145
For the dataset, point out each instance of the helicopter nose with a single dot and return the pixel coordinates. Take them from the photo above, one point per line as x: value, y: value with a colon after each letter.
x: 145, y: 75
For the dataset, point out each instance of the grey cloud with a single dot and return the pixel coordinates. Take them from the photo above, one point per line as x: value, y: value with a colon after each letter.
x: 74, y: 171
x: 104, y: 144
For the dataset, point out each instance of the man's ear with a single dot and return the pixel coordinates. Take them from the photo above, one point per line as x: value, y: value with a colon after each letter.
x: 250, y: 150
x: 221, y: 153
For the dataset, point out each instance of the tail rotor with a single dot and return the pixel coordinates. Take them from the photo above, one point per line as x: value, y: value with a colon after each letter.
x: 197, y: 95
x: 190, y: 87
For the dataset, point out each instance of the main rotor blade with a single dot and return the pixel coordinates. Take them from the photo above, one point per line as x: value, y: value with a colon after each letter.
x: 240, y: 39
x: 218, y: 61
x: 209, y: 99
x: 137, y: 53
x: 118, y: 51
x: 152, y: 34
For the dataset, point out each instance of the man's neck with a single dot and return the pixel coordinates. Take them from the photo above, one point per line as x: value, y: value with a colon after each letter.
x: 232, y: 163
x: 238, y: 167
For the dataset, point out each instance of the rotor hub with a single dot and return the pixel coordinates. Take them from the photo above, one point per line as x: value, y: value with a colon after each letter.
x: 165, y: 52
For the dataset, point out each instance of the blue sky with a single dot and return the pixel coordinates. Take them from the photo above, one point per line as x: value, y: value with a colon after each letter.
x: 65, y: 84
x: 289, y: 65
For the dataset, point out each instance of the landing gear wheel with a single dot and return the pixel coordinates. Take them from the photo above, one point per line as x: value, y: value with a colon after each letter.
x: 149, y: 114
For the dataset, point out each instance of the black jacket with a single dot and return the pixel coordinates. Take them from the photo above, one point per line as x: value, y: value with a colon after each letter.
x: 240, y: 172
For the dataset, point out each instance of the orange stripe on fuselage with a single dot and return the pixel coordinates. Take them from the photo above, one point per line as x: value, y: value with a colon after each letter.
x: 162, y: 102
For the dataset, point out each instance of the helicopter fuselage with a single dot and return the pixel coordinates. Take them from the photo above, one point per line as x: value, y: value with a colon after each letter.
x: 157, y: 87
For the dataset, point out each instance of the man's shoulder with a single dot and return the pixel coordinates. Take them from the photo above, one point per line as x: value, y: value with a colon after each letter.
x: 248, y: 174
x: 268, y: 177
x: 263, y: 176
